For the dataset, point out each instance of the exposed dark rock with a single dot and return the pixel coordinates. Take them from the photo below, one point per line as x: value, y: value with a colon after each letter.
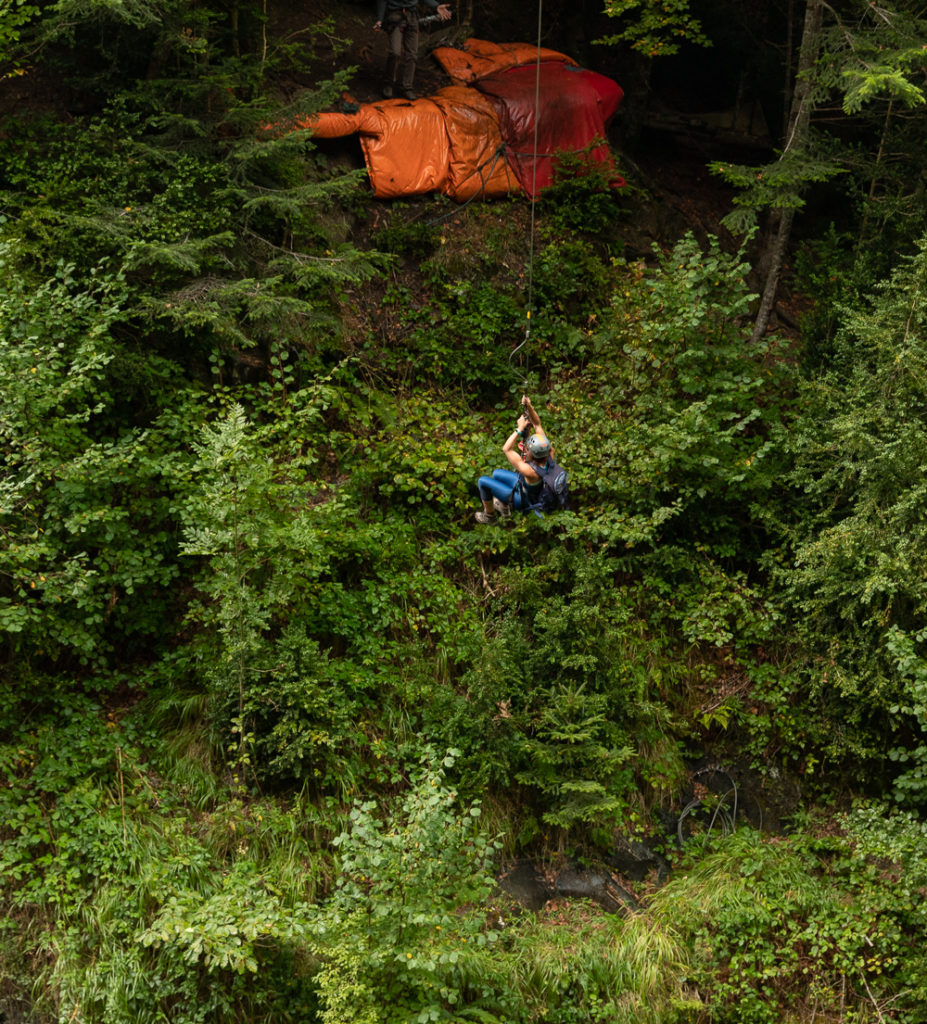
x: 634, y: 859
x: 601, y: 886
x: 532, y: 888
x: 526, y: 885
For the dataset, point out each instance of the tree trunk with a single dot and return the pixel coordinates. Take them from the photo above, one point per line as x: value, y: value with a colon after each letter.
x: 796, y: 136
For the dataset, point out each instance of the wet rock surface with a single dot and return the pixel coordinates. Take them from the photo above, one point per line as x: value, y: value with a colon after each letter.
x: 532, y: 887
x: 717, y: 799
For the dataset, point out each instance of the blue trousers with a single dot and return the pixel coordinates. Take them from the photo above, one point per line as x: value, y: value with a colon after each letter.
x: 500, y: 485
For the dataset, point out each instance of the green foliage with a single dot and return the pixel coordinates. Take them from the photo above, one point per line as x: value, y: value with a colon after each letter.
x: 654, y: 29
x: 853, y: 569
x: 137, y: 908
x: 877, y: 58
x: 416, y: 464
x: 830, y: 268
x: 671, y: 417
x: 582, y: 196
x: 784, y: 926
x: 265, y: 546
x: 412, y: 239
x: 15, y: 15
x: 459, y: 340
x: 569, y: 739
x: 869, y: 61
x: 565, y: 681
x: 86, y: 509
x: 780, y: 185
x: 887, y: 867
x: 310, y: 605
x: 406, y: 909
x: 911, y: 784
x: 211, y: 221
x: 243, y: 602
x: 570, y: 280
x: 572, y: 963
x: 228, y: 927
x: 140, y: 204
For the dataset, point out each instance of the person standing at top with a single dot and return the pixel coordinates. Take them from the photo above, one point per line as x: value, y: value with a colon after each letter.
x: 399, y: 20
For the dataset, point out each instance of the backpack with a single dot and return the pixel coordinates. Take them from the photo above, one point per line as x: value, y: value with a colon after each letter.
x: 555, y: 494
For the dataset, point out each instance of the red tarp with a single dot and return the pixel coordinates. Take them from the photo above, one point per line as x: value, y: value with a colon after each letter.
x: 478, y: 138
x: 573, y: 109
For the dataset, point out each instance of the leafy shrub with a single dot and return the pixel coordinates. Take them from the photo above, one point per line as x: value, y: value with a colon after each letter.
x: 582, y: 197
x: 572, y: 963
x: 312, y: 609
x: 837, y: 275
x: 854, y: 567
x: 132, y: 910
x: 789, y: 926
x: 563, y: 686
x: 570, y: 281
x: 87, y: 510
x: 459, y: 340
x: 670, y: 421
x: 911, y: 783
x: 414, y: 239
x: 406, y: 911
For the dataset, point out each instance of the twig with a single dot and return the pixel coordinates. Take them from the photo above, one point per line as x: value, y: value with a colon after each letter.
x: 872, y: 998
x: 299, y: 256
x: 122, y: 794
x: 486, y: 579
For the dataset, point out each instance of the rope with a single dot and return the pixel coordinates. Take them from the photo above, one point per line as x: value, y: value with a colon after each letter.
x: 476, y: 195
x: 728, y: 821
x: 534, y: 180
x: 534, y: 166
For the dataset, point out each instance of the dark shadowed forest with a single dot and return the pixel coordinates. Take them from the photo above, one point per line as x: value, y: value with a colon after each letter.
x: 287, y: 735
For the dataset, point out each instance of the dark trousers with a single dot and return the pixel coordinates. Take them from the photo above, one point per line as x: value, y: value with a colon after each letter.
x: 402, y: 33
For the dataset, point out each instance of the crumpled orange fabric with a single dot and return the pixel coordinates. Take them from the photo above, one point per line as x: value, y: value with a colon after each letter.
x: 477, y: 139
x: 478, y: 58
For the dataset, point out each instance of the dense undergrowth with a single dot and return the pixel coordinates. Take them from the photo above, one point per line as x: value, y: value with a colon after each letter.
x: 276, y: 712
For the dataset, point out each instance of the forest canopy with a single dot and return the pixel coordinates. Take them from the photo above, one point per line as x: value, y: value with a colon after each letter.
x: 282, y: 723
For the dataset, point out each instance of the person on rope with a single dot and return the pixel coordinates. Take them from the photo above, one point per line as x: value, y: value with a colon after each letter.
x: 399, y: 20
x: 522, y: 487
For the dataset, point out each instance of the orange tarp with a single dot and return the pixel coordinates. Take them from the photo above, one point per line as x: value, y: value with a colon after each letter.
x: 447, y: 143
x: 410, y: 152
x: 405, y: 144
x: 477, y: 163
x: 478, y: 138
x: 478, y: 58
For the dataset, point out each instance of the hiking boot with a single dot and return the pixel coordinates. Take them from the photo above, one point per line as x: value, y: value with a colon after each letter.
x: 483, y: 517
x: 387, y: 92
x: 410, y: 94
x: 504, y: 509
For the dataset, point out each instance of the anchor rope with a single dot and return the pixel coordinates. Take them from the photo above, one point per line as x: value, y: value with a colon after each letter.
x: 534, y: 179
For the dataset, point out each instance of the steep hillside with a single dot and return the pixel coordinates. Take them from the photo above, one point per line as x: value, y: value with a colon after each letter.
x: 288, y: 733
